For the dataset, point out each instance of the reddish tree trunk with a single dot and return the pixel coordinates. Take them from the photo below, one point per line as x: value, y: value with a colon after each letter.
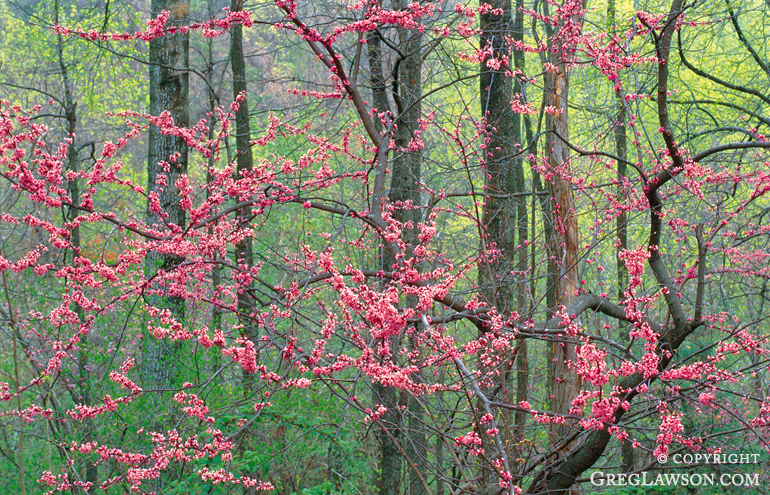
x: 563, y: 243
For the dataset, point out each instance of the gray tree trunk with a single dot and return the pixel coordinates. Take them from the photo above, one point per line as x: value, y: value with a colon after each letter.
x: 169, y: 60
x: 388, y: 475
x: 503, y: 130
x: 505, y: 214
x: 405, y: 194
x: 244, y: 161
x: 405, y: 187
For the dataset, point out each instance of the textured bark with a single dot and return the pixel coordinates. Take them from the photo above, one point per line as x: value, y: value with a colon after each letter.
x: 499, y: 212
x: 505, y: 216
x: 388, y: 476
x: 564, y: 237
x: 404, y: 195
x: 405, y: 190
x: 169, y: 89
x: 503, y: 130
x: 377, y: 76
x: 591, y: 446
x: 388, y: 438
x: 405, y: 180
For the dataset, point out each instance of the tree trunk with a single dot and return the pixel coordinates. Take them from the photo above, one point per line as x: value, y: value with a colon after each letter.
x: 244, y: 163
x: 405, y: 189
x: 388, y: 436
x: 244, y: 254
x: 216, y: 272
x: 522, y: 356
x: 502, y: 131
x: 505, y: 217
x: 404, y: 194
x: 563, y: 242
x: 564, y: 238
x: 169, y: 57
x: 388, y: 475
x: 499, y: 211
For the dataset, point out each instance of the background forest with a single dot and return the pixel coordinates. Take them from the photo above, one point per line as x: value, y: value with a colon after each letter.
x: 380, y: 247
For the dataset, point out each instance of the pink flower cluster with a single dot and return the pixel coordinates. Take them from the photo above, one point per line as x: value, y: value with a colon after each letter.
x: 158, y: 27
